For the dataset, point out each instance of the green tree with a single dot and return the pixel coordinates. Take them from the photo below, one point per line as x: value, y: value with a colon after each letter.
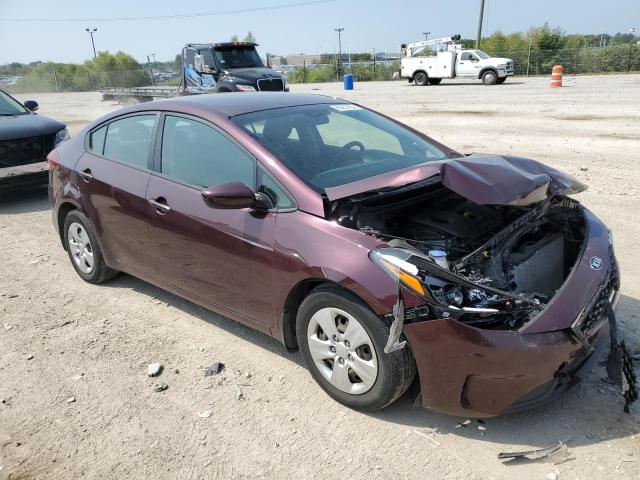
x: 234, y: 38
x: 249, y: 37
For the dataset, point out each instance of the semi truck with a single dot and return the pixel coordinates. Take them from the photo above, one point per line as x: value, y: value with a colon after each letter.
x: 429, y: 61
x: 212, y: 68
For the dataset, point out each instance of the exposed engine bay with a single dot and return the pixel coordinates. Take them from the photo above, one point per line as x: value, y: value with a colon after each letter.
x: 492, y: 266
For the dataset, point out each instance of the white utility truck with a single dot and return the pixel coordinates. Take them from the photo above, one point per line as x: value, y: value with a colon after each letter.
x: 429, y: 61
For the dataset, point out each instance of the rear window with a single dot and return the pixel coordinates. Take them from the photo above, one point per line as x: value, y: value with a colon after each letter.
x: 127, y: 140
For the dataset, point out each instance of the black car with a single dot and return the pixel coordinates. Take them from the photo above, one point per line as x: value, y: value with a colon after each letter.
x: 25, y: 140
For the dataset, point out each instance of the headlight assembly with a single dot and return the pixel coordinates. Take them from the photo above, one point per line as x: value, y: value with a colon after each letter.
x: 451, y: 295
x: 61, y: 136
x: 246, y: 88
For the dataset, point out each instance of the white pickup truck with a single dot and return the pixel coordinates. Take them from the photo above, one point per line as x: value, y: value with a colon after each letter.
x: 449, y: 60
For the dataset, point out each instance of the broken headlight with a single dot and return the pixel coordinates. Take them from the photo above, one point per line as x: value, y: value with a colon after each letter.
x: 394, y: 262
x: 453, y: 296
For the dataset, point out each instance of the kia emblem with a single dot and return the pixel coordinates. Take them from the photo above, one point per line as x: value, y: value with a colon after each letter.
x: 596, y: 263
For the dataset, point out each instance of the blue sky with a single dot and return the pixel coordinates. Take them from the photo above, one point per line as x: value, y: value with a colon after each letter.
x: 378, y: 24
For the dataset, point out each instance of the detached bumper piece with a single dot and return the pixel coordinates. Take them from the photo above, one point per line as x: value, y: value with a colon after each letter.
x: 620, y: 364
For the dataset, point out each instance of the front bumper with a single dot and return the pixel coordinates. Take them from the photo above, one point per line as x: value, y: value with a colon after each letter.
x: 23, y: 175
x: 466, y: 371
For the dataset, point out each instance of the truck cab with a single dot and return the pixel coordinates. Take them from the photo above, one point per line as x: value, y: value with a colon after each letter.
x: 476, y: 64
x: 429, y: 61
x: 227, y: 67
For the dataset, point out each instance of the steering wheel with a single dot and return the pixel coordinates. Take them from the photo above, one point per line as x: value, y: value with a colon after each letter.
x: 345, y: 150
x: 350, y: 145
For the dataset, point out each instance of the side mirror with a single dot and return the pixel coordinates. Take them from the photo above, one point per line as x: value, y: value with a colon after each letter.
x: 235, y: 195
x: 31, y: 105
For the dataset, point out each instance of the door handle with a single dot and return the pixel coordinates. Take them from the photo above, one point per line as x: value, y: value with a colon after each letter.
x: 86, y: 175
x: 160, y: 205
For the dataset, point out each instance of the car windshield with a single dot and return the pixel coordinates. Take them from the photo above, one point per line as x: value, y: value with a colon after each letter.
x: 481, y: 54
x: 329, y: 145
x: 237, y: 57
x: 9, y: 106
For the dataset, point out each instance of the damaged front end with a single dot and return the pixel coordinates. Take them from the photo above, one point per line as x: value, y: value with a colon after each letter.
x: 488, y: 245
x: 488, y: 266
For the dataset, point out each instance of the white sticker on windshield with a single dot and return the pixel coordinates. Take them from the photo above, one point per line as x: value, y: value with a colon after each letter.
x: 345, y: 107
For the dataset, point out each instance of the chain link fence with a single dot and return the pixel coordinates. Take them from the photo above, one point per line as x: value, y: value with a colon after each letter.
x: 616, y: 58
x: 79, y: 81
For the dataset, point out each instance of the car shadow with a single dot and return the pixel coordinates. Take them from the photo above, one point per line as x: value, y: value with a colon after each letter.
x: 236, y: 328
x: 464, y: 84
x: 590, y: 413
x: 29, y: 200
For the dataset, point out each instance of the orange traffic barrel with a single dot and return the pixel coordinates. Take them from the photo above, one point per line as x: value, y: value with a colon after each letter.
x: 556, y: 76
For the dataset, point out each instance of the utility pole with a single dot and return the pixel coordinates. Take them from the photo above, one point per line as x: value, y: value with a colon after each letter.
x: 426, y: 35
x: 479, y: 36
x: 339, y: 30
x: 91, y: 32
x: 529, y: 56
x: 150, y: 70
x: 631, y: 31
x: 373, y: 55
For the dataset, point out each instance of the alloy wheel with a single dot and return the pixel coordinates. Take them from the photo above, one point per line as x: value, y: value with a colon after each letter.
x: 80, y: 247
x: 342, y: 351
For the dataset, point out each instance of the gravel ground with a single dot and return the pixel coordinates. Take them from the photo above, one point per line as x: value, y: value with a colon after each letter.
x: 76, y: 401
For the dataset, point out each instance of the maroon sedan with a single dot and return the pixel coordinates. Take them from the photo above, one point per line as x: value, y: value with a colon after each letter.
x: 378, y: 252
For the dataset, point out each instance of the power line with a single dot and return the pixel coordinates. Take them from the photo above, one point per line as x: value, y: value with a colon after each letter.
x: 169, y: 17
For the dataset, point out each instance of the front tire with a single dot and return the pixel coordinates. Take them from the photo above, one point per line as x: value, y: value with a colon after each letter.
x: 500, y: 81
x: 84, y: 250
x: 342, y: 342
x: 420, y: 79
x: 489, y: 78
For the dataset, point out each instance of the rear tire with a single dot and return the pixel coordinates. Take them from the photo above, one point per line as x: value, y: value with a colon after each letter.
x: 420, y: 79
x: 348, y: 359
x: 489, y: 78
x: 435, y: 81
x: 84, y: 250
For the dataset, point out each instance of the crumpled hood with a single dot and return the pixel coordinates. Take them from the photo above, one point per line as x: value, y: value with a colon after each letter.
x: 27, y: 125
x: 483, y: 179
x: 496, y: 180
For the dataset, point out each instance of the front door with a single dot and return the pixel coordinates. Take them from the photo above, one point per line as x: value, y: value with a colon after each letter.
x: 113, y: 177
x: 468, y: 65
x: 222, y: 256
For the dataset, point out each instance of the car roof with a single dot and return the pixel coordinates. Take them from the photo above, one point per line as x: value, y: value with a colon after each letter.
x: 232, y: 104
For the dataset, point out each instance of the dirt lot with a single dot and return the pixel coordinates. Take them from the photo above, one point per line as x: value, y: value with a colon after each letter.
x: 75, y: 400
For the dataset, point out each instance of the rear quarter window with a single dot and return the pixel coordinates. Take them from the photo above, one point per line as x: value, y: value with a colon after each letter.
x: 96, y: 140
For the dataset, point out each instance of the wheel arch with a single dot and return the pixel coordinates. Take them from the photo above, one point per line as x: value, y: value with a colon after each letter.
x: 295, y: 298
x: 487, y: 69
x: 420, y: 70
x: 63, y: 210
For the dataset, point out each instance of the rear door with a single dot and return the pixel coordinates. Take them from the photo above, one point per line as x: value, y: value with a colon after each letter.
x: 113, y: 177
x: 222, y: 256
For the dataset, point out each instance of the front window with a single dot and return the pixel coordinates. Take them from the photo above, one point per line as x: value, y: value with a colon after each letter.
x: 237, y: 57
x: 195, y: 154
x: 9, y: 106
x: 330, y: 145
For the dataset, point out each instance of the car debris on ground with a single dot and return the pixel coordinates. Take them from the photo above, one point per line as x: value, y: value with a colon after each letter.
x: 154, y: 369
x: 535, y: 454
x: 214, y: 369
x: 159, y: 387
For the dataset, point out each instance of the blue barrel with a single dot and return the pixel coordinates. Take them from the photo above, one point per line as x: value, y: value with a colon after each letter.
x: 348, y: 82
